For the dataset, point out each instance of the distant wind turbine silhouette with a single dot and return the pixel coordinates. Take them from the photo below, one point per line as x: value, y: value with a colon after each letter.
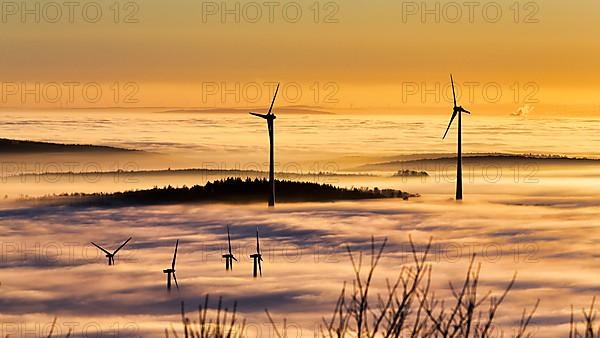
x: 111, y: 256
x: 257, y: 257
x: 171, y: 271
x: 270, y: 117
x: 229, y: 258
x: 458, y: 110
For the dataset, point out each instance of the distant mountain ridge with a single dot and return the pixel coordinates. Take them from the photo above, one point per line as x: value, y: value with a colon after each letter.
x: 9, y: 146
x: 473, y: 158
x: 284, y: 110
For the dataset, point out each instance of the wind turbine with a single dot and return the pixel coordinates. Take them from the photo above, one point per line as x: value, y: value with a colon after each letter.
x: 270, y: 117
x: 171, y: 271
x: 257, y: 257
x: 229, y: 258
x: 458, y: 110
x: 111, y: 256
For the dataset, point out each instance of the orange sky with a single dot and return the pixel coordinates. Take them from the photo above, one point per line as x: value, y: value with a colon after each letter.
x: 373, y: 56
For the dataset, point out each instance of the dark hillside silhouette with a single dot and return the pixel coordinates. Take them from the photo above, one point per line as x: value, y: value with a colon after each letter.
x: 230, y: 190
x: 8, y: 146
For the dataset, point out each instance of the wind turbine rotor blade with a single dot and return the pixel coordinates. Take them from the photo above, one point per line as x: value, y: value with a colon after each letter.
x: 175, y: 255
x: 257, y: 242
x: 449, y: 124
x: 101, y: 248
x: 260, y: 267
x: 466, y: 111
x: 274, y: 97
x: 453, y: 93
x: 233, y: 257
x: 229, y: 240
x: 122, y: 245
x: 175, y: 280
x: 259, y: 115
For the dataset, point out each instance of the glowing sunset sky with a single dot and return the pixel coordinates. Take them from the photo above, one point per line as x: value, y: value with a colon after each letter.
x: 370, y: 54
